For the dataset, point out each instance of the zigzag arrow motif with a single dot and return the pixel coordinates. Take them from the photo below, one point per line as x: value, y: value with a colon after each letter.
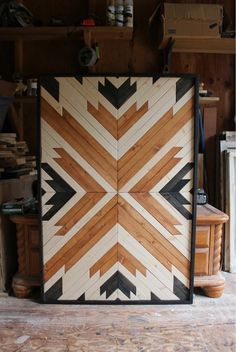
x: 117, y: 281
x: 171, y: 192
x: 117, y: 96
x: 63, y: 192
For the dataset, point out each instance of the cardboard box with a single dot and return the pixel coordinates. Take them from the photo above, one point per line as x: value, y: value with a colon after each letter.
x: 188, y: 20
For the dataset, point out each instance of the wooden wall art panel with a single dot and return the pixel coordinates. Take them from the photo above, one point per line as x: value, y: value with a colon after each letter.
x: 117, y: 179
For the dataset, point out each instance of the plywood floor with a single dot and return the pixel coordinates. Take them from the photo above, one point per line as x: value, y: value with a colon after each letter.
x: 208, y: 325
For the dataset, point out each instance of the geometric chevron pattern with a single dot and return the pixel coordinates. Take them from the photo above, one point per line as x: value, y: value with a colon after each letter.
x: 117, y: 188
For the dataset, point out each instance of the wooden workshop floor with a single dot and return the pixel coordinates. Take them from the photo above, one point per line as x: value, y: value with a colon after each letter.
x: 208, y: 325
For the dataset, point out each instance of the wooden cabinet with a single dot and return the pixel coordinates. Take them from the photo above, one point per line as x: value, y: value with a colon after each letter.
x: 28, y: 275
x: 208, y: 250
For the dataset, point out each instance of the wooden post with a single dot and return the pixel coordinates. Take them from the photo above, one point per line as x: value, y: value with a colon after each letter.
x: 19, y: 63
x: 19, y: 70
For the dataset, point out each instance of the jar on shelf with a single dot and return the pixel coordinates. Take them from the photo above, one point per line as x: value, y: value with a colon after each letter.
x: 110, y: 13
x: 119, y: 13
x: 128, y: 13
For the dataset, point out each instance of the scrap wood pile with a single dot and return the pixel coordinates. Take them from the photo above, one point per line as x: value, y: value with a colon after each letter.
x: 15, y: 161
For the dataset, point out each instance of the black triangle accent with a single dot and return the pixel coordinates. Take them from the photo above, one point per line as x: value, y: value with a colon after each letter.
x: 63, y: 192
x: 180, y: 290
x: 117, y: 96
x: 117, y: 281
x: 79, y: 79
x: 154, y: 298
x: 81, y: 298
x: 171, y: 191
x: 54, y: 292
x: 182, y: 86
x: 155, y: 78
x: 52, y: 86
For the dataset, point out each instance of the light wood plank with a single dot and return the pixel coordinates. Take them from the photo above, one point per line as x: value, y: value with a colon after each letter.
x: 87, y: 182
x: 97, y: 266
x: 83, y: 146
x: 81, y: 208
x: 65, y: 254
x: 152, y: 142
x: 157, y: 211
x: 131, y: 220
x: 104, y: 117
x: 130, y: 117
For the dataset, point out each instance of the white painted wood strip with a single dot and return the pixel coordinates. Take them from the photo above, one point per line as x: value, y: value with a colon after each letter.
x: 88, y: 94
x: 51, y: 101
x: 95, y: 287
x: 59, y: 274
x: 190, y: 93
x: 180, y: 276
x: 142, y: 292
x: 162, y: 292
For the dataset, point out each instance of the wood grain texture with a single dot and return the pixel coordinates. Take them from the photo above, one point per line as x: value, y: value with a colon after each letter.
x: 134, y: 242
x: 121, y: 327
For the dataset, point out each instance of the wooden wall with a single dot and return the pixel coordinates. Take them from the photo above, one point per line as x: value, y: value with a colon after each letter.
x: 139, y: 56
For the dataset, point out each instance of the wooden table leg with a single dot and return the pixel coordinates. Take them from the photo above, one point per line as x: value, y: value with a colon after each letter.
x: 213, y: 286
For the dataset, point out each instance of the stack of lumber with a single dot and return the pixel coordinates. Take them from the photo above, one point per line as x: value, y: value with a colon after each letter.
x: 227, y: 149
x: 14, y: 159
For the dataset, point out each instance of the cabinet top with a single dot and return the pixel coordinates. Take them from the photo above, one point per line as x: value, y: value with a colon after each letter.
x: 207, y: 214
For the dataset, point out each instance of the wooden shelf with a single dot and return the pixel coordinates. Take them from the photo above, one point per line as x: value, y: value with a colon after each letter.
x: 25, y: 99
x: 204, y: 45
x: 209, y: 100
x: 53, y: 33
x: 201, y: 45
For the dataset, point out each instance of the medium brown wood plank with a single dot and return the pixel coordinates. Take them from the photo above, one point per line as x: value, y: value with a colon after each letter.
x: 103, y: 260
x: 129, y: 155
x: 104, y: 117
x: 150, y: 204
x: 127, y: 264
x: 79, y: 143
x: 108, y: 265
x: 123, y: 253
x: 145, y: 150
x: 82, y: 177
x: 62, y: 256
x: 171, y: 254
x: 130, y: 117
x: 91, y: 238
x: 152, y: 177
x: 106, y: 159
x: 81, y: 208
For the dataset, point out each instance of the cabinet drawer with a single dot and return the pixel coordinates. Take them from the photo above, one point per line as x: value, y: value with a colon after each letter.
x: 201, y: 261
x: 203, y: 236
